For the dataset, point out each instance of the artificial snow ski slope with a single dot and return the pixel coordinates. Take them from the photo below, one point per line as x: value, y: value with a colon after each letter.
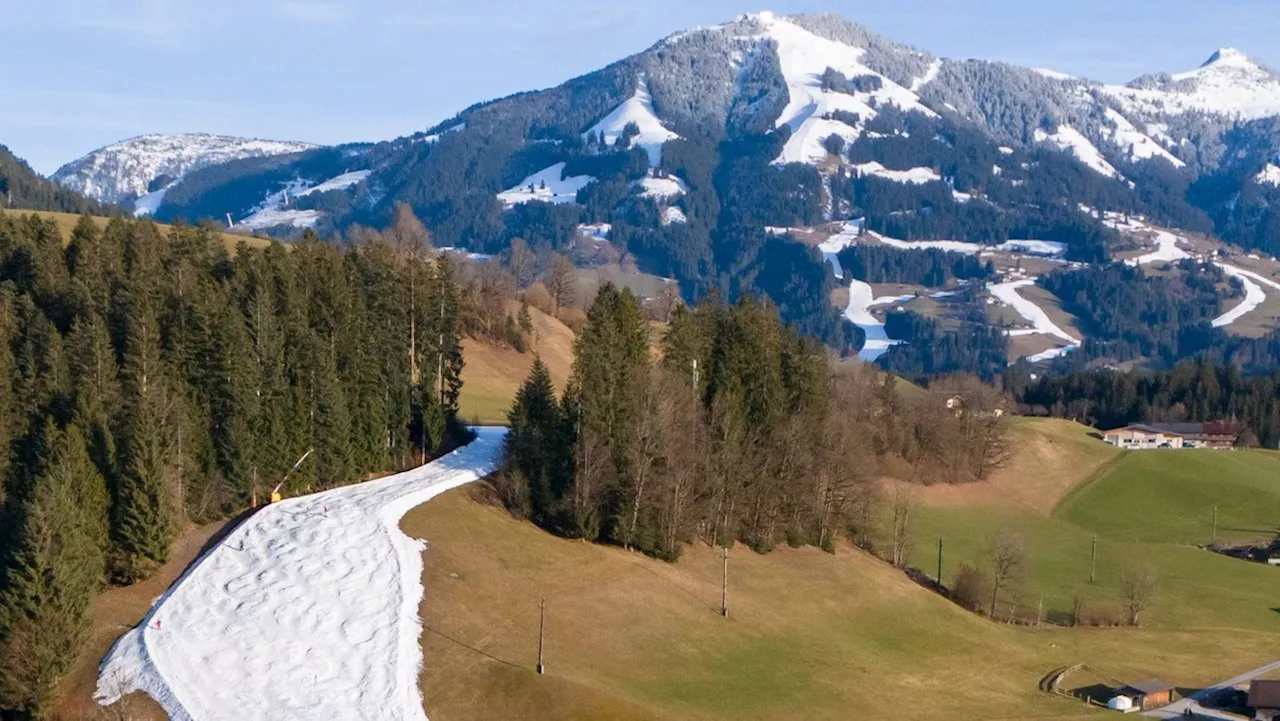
x: 307, y: 611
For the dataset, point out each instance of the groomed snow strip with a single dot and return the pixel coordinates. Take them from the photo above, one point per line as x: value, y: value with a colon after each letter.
x: 307, y: 610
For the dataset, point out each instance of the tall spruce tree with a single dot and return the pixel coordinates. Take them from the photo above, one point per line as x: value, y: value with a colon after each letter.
x: 53, y: 573
x: 535, y: 444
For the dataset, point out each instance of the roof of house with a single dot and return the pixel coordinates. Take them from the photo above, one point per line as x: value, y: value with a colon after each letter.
x: 1216, y: 428
x: 1150, y: 686
x: 1264, y: 694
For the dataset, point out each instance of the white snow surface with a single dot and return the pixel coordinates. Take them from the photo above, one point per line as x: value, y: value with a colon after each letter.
x: 308, y: 610
x: 559, y: 189
x: 955, y: 246
x: 273, y: 213
x: 1054, y: 74
x: 1167, y: 250
x: 1253, y: 297
x: 1134, y: 142
x: 147, y: 204
x: 598, y: 232
x: 1270, y: 175
x: 1034, y: 314
x: 125, y: 169
x: 672, y: 214
x: 930, y: 74
x: 1034, y: 247
x: 661, y: 188
x: 1070, y: 140
x: 1229, y: 84
x: 860, y: 299
x: 804, y: 57
x: 831, y: 247
x: 916, y: 176
x: 637, y: 109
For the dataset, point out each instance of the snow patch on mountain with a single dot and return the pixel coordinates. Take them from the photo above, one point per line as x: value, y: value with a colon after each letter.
x: 1253, y: 297
x: 1270, y: 175
x: 126, y: 169
x: 1070, y: 140
x: 1008, y: 294
x: 1229, y: 83
x: 274, y: 213
x: 804, y: 57
x: 861, y: 298
x: 1054, y: 74
x: 916, y: 176
x: 637, y: 109
x: 929, y: 76
x: 661, y: 188
x: 673, y: 214
x: 1132, y: 141
x: 547, y: 185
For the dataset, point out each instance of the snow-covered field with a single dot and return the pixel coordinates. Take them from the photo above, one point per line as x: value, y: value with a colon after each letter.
x: 1072, y: 141
x: 1008, y: 294
x: 661, y: 188
x: 915, y: 176
x: 548, y: 185
x: 637, y: 109
x: 308, y: 610
x: 804, y: 57
x: 1138, y: 145
x: 272, y: 213
x: 1253, y: 297
x: 860, y: 301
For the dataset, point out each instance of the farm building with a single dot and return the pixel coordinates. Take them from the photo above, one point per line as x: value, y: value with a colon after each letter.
x: 1145, y: 436
x: 1264, y: 699
x: 1149, y: 694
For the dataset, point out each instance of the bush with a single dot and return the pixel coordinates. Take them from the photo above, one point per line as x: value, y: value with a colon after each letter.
x: 539, y: 297
x: 969, y: 588
x: 575, y: 318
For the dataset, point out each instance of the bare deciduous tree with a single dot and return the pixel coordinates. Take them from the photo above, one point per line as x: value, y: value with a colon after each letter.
x: 521, y: 261
x: 562, y: 282
x: 903, y: 505
x: 1009, y: 561
x: 1138, y: 586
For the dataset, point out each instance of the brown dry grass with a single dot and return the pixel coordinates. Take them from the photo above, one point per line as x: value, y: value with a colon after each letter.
x: 492, y: 373
x: 1050, y: 458
x: 810, y: 635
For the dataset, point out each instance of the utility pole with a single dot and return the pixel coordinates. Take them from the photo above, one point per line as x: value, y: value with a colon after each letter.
x: 939, y: 563
x: 1093, y: 560
x: 1215, y: 525
x: 724, y: 583
x: 542, y: 627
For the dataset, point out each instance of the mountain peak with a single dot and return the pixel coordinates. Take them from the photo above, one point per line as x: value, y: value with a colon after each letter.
x: 1229, y: 56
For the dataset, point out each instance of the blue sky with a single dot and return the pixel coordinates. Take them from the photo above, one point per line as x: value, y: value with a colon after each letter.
x: 79, y: 74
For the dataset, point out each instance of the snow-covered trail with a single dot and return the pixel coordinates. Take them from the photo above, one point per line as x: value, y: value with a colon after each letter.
x: 1253, y: 297
x: 860, y: 299
x: 308, y: 610
x: 1008, y: 294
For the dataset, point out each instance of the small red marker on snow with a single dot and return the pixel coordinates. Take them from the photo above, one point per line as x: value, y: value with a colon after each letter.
x: 157, y: 624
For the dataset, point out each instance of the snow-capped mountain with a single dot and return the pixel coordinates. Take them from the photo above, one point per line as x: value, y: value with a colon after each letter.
x: 130, y: 169
x: 833, y: 95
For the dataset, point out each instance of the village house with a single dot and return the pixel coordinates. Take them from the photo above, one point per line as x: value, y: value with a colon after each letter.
x: 1264, y: 699
x: 1145, y: 436
x: 1146, y: 695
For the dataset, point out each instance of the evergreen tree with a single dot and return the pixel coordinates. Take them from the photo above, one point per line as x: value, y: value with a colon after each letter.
x: 535, y: 443
x: 54, y: 571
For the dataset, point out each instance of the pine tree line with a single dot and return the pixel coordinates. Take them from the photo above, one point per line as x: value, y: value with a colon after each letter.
x: 739, y: 432
x: 158, y: 380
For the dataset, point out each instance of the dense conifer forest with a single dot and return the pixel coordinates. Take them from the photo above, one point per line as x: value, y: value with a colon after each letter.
x: 154, y: 380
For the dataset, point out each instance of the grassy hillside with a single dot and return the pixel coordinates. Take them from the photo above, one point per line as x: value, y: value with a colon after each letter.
x: 810, y: 635
x: 67, y: 222
x: 492, y: 374
x: 1169, y: 497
